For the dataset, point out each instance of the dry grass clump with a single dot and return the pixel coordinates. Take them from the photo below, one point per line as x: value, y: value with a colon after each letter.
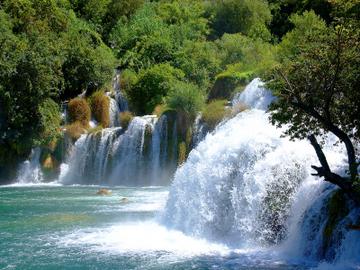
x: 214, y: 112
x: 182, y: 153
x: 75, y: 130
x: 79, y: 111
x: 100, y: 104
x: 159, y: 110
x: 125, y: 119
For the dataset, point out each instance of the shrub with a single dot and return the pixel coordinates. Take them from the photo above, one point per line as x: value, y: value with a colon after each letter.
x: 100, y: 104
x: 75, y: 130
x: 50, y: 121
x: 125, y: 119
x: 152, y: 86
x: 214, y: 112
x: 185, y: 98
x: 79, y: 111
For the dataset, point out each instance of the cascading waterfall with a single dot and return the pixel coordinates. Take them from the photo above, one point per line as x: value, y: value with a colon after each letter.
x: 114, y: 113
x: 247, y: 187
x: 30, y: 170
x: 137, y: 156
x: 119, y: 96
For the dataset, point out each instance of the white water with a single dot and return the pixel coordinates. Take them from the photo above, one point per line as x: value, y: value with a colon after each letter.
x: 135, y: 157
x: 30, y: 170
x: 247, y: 187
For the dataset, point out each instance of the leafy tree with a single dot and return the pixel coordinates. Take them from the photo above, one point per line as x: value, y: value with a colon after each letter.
x: 317, y: 87
x: 200, y: 61
x: 144, y: 40
x: 152, y: 86
x: 249, y: 17
x: 283, y: 9
x: 88, y: 64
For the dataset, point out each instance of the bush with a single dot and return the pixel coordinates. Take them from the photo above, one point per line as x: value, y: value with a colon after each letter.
x: 125, y: 119
x: 79, y: 111
x: 214, y: 113
x: 185, y: 98
x: 100, y: 104
x: 152, y: 86
x: 75, y: 130
x: 50, y: 121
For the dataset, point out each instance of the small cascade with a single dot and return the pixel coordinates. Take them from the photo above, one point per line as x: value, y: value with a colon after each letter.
x: 114, y: 113
x: 30, y: 170
x: 199, y: 131
x: 255, y: 96
x: 248, y: 187
x: 119, y: 96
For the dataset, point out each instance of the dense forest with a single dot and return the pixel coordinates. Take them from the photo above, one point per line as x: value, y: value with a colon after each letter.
x: 185, y: 56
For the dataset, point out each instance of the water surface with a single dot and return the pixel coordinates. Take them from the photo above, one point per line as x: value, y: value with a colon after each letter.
x: 70, y: 227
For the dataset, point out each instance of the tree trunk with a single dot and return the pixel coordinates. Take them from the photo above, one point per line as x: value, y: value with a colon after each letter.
x: 346, y: 184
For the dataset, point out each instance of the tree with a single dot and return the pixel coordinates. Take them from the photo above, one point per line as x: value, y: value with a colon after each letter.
x: 317, y: 88
x: 249, y: 17
x: 152, y: 86
x: 88, y: 62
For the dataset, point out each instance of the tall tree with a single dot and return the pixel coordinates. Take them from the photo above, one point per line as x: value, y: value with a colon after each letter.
x: 317, y: 84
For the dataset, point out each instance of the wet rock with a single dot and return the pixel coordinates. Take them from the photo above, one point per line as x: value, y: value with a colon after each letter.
x: 104, y: 192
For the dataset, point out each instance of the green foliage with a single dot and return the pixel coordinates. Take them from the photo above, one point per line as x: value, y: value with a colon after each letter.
x: 200, y: 61
x: 249, y: 17
x: 282, y: 10
x: 319, y: 69
x: 144, y: 40
x: 79, y: 111
x: 89, y: 63
x: 316, y: 83
x: 100, y: 104
x: 152, y: 86
x: 244, y: 55
x: 214, y: 112
x: 50, y: 121
x: 185, y: 98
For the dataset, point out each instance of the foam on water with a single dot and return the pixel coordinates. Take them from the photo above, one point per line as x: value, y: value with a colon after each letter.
x: 141, y: 237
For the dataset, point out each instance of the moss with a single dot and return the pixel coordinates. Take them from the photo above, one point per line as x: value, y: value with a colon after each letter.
x: 182, y: 153
x: 75, y: 130
x: 100, y: 105
x: 95, y: 130
x: 79, y: 111
x: 125, y: 119
x: 214, y: 112
x: 337, y: 210
x: 227, y: 82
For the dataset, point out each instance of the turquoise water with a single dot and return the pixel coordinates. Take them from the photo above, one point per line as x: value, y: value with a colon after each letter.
x: 70, y: 227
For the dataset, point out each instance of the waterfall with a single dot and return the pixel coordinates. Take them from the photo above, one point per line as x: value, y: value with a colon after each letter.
x: 30, y: 170
x: 137, y: 156
x: 119, y: 96
x: 114, y: 113
x: 248, y: 187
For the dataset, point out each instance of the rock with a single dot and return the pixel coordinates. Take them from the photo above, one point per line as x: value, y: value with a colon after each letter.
x: 124, y: 200
x: 103, y: 192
